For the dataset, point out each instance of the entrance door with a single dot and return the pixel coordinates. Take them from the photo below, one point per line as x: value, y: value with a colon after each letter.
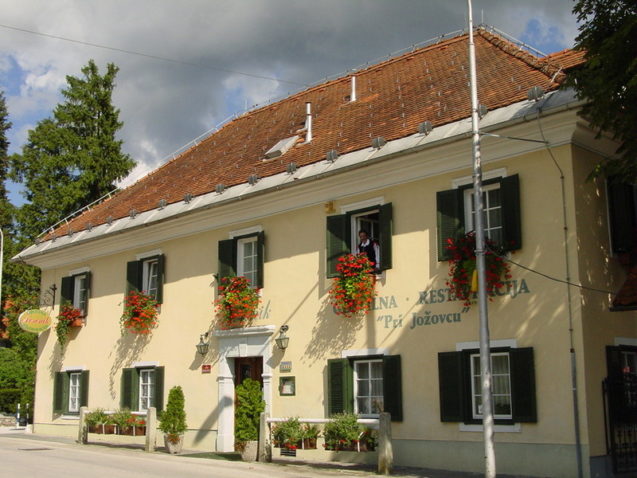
x: 620, y: 394
x: 248, y: 367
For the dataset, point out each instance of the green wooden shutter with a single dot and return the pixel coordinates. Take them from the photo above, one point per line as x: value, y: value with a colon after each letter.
x: 66, y: 290
x: 385, y: 236
x: 523, y: 385
x: 511, y: 220
x: 130, y: 389
x: 58, y: 392
x: 158, y: 397
x: 340, y: 386
x: 260, y: 258
x: 451, y: 385
x: 84, y: 388
x: 134, y: 274
x: 622, y: 214
x: 227, y: 256
x: 161, y: 277
x: 450, y: 219
x: 337, y: 241
x: 392, y: 387
x: 89, y: 278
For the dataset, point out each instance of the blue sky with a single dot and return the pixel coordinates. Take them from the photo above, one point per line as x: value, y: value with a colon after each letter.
x: 165, y: 104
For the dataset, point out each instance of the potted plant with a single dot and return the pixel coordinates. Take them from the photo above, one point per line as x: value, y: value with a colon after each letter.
x: 237, y: 304
x: 311, y: 433
x: 68, y: 317
x: 122, y: 418
x: 290, y: 433
x: 463, y: 280
x: 247, y: 413
x: 172, y: 421
x: 95, y: 420
x: 343, y: 432
x: 352, y: 292
x: 140, y: 313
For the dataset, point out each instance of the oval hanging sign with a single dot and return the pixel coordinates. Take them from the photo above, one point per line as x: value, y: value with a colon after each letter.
x: 34, y: 321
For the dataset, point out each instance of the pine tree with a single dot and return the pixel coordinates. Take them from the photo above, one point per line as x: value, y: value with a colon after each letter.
x: 73, y: 158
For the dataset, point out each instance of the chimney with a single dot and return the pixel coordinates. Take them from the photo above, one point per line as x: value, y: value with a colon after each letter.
x: 308, y: 122
x: 352, y: 96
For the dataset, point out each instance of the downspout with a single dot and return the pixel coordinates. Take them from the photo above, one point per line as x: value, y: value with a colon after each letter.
x: 576, y: 414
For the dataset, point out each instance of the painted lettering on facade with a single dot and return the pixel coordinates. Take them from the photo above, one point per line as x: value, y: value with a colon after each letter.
x: 512, y: 288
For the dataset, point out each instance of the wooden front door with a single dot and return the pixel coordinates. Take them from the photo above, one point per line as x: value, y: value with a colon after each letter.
x: 248, y: 367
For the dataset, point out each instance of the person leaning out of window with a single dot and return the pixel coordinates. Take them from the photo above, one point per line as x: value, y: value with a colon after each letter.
x: 370, y: 248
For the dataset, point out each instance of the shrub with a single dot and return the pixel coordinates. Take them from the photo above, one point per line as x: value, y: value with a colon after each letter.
x: 9, y: 397
x: 343, y: 431
x: 96, y: 417
x: 289, y: 433
x: 249, y: 407
x: 172, y: 421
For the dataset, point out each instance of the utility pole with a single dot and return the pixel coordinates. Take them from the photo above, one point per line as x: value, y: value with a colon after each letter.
x: 485, y: 349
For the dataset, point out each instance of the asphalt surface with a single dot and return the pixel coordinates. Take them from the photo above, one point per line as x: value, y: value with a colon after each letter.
x: 62, y: 456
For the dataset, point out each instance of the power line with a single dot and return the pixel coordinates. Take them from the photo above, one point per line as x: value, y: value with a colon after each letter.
x: 154, y: 57
x: 521, y: 266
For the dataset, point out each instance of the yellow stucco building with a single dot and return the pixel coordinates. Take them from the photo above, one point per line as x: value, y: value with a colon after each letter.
x: 278, y: 193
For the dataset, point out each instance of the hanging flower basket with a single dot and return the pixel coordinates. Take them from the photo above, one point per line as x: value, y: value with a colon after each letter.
x: 352, y: 293
x: 68, y: 317
x: 237, y: 304
x: 462, y: 268
x: 140, y: 313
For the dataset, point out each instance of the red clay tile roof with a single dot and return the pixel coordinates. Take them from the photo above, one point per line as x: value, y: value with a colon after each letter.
x: 393, y: 97
x: 627, y: 295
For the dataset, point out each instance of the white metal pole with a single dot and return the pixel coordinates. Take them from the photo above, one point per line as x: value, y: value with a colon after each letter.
x: 485, y: 351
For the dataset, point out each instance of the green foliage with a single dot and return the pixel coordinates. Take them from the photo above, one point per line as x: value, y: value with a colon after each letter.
x: 289, y: 432
x: 608, y: 80
x: 123, y: 418
x: 96, y: 417
x: 172, y: 421
x: 248, y: 410
x: 342, y: 431
x: 9, y: 397
x: 73, y: 158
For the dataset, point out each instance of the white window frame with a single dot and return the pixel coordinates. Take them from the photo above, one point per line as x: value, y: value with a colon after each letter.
x: 241, y: 271
x: 80, y: 291
x: 146, y: 379
x: 469, y: 212
x: 478, y: 393
x: 150, y: 271
x: 75, y: 390
x: 369, y: 397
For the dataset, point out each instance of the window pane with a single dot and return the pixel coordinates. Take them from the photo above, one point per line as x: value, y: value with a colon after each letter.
x: 500, y: 363
x: 377, y: 369
x: 494, y: 197
x: 378, y: 405
x: 363, y: 387
x: 501, y: 384
x: 363, y: 406
x: 377, y: 388
x: 362, y: 369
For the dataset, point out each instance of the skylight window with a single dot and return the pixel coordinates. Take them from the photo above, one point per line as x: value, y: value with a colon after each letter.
x: 281, y: 147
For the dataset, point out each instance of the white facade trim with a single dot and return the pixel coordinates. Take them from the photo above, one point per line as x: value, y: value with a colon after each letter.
x: 145, y: 364
x: 363, y: 352
x: 512, y: 343
x: 379, y: 201
x: 81, y: 270
x: 74, y: 368
x: 625, y: 341
x: 486, y: 175
x: 245, y: 231
x: 233, y: 343
x: 145, y: 255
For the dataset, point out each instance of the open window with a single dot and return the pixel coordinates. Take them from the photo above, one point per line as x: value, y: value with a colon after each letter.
x: 70, y: 391
x: 343, y: 234
x: 75, y: 290
x: 147, y: 275
x: 456, y: 213
x: 243, y: 256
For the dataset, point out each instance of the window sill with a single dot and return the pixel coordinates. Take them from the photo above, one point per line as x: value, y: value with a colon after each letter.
x: 515, y: 428
x: 70, y: 417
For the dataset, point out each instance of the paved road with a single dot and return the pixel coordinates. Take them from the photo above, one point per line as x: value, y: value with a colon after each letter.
x: 37, y: 456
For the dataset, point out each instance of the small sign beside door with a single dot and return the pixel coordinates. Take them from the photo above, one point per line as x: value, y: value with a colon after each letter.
x: 285, y: 367
x: 206, y: 368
